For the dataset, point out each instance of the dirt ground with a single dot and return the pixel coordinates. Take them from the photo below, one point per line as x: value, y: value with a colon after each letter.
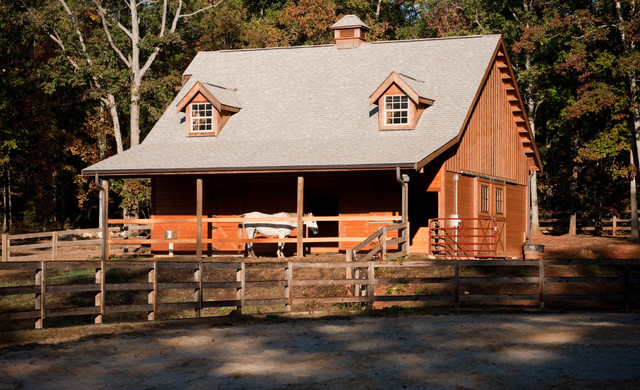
x: 587, y: 247
x: 446, y: 351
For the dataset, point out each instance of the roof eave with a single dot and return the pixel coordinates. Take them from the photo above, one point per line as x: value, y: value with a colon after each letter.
x: 240, y: 170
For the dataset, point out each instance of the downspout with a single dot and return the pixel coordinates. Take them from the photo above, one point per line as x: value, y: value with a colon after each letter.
x: 403, y: 184
x: 531, y: 173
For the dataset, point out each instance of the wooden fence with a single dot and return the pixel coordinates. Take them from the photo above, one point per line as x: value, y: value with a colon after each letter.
x: 605, y: 222
x: 293, y: 286
x: 78, y: 244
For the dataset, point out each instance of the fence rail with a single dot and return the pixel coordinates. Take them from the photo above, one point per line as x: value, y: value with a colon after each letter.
x: 52, y: 245
x: 457, y: 283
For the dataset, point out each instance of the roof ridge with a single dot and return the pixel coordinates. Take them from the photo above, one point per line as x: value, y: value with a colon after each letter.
x: 333, y: 45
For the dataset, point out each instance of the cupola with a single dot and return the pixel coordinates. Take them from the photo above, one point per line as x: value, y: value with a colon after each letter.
x: 349, y: 32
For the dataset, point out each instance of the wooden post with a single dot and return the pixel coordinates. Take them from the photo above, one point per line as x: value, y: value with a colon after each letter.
x: 105, y: 218
x: 288, y: 274
x: 614, y: 225
x: 152, y: 296
x: 199, y: 219
x: 300, y: 211
x: 371, y: 276
x: 541, y: 275
x: 54, y: 245
x: 5, y: 247
x: 197, y: 277
x: 41, y: 278
x: 240, y: 292
x: 383, y: 243
x: 100, y: 296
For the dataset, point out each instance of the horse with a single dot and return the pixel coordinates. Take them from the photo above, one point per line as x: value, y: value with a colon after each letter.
x: 276, y: 228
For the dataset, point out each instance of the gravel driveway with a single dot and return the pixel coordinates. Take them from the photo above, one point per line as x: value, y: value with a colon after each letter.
x: 450, y: 351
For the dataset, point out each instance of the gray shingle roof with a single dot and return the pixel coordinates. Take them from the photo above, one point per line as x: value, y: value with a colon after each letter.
x: 350, y: 21
x: 308, y: 107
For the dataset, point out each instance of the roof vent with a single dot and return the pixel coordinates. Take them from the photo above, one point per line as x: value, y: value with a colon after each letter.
x: 349, y: 32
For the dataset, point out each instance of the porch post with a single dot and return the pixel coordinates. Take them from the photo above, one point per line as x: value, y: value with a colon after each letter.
x: 300, y: 210
x: 199, y: 219
x: 104, y: 213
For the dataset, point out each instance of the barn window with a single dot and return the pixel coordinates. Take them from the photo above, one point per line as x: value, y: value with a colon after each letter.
x: 201, y: 117
x: 396, y: 109
x: 484, y: 199
x: 499, y: 201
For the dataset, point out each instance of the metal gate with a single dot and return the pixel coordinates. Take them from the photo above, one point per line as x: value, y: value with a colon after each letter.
x: 463, y: 238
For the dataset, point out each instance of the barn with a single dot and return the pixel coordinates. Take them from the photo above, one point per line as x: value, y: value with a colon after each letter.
x: 361, y: 134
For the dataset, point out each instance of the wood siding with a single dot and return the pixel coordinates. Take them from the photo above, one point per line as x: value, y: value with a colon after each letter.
x: 491, y: 144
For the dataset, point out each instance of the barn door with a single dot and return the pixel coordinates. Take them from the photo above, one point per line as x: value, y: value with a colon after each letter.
x: 491, y: 203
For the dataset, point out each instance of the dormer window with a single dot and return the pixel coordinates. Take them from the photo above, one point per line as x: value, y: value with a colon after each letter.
x: 201, y: 117
x: 396, y: 109
x: 401, y: 101
x: 207, y: 108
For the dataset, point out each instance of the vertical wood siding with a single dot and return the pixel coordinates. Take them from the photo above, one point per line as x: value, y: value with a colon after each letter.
x: 491, y: 144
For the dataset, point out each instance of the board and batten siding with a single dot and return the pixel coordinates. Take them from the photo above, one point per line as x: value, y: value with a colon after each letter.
x: 491, y: 144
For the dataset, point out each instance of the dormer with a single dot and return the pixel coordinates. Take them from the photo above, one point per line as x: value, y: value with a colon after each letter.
x: 401, y: 100
x: 349, y: 32
x: 208, y: 107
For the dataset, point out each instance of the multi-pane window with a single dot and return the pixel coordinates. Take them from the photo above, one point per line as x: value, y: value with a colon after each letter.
x: 499, y: 201
x: 484, y: 199
x: 201, y: 117
x: 396, y: 109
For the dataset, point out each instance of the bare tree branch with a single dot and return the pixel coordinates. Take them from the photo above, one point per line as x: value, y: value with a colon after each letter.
x: 105, y: 27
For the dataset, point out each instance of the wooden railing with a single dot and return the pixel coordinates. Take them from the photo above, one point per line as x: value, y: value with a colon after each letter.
x: 199, y: 241
x: 383, y: 242
x: 457, y: 283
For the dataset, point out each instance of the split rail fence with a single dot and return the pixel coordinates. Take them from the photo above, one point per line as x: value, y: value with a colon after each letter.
x: 300, y: 286
x: 606, y: 222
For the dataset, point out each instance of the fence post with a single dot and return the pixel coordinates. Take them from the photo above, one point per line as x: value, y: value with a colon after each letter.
x: 383, y: 243
x: 5, y: 247
x: 240, y: 294
x: 541, y: 276
x: 288, y: 295
x: 371, y: 277
x: 40, y: 297
x: 197, y: 294
x: 614, y: 225
x: 54, y: 245
x: 152, y: 296
x: 99, y: 298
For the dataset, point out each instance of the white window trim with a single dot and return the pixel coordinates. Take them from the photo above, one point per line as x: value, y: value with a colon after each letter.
x: 208, y: 107
x: 407, y: 110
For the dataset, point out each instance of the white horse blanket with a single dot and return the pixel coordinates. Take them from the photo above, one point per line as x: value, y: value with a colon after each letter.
x: 281, y: 229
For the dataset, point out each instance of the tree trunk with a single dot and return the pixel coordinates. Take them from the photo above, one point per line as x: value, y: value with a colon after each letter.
x: 533, y: 184
x: 115, y: 119
x: 5, y: 198
x: 635, y: 233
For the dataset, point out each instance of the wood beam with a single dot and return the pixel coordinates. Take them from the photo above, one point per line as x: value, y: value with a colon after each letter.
x: 299, y: 212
